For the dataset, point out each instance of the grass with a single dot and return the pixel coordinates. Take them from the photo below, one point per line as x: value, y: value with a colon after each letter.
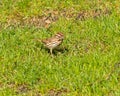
x: 89, y: 62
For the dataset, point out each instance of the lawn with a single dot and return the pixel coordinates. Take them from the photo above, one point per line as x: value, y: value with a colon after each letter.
x: 87, y: 63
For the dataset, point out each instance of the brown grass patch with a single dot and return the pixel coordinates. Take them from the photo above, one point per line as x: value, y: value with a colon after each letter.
x: 51, y: 16
x: 22, y: 88
x: 54, y: 92
x: 11, y: 85
x: 92, y: 14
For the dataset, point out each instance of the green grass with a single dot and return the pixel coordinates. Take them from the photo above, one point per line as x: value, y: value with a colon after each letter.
x: 89, y: 63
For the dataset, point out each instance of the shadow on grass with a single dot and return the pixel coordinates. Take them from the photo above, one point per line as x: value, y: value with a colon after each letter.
x: 56, y: 51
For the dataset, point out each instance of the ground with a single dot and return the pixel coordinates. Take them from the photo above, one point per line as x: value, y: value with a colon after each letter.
x: 86, y: 64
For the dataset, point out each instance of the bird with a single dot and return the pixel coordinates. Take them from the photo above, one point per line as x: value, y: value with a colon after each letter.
x: 54, y: 41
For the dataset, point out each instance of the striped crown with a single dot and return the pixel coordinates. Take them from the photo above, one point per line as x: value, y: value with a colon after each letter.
x: 59, y: 35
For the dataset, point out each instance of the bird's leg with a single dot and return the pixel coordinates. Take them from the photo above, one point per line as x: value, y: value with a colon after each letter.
x: 50, y: 50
